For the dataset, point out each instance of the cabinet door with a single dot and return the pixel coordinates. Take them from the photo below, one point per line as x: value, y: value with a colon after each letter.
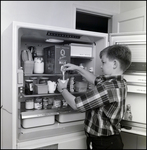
x: 130, y: 21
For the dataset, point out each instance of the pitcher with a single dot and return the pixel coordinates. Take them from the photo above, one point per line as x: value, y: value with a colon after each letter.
x: 51, y: 86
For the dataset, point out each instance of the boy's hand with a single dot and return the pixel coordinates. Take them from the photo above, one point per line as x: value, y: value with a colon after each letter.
x: 70, y: 67
x: 62, y: 84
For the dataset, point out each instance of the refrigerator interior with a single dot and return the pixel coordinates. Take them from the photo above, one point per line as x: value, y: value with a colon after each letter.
x: 36, y: 38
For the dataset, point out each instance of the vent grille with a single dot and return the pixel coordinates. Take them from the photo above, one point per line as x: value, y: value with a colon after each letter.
x: 56, y: 34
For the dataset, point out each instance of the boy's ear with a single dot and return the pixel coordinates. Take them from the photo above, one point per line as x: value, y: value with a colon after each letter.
x: 115, y: 64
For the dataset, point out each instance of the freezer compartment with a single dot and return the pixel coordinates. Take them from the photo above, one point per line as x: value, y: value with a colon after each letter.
x: 69, y: 117
x: 37, y: 118
x: 81, y: 50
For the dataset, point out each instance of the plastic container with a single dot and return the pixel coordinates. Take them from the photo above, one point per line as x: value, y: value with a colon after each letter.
x: 41, y: 89
x: 38, y: 65
x: 28, y: 66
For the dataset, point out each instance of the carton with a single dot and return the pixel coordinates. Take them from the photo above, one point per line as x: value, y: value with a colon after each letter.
x: 54, y: 57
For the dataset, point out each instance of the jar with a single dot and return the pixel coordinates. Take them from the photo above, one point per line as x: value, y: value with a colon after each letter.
x: 38, y: 65
x: 34, y: 82
x: 50, y: 102
x: 28, y: 87
x: 43, y: 80
x: 45, y: 103
x: 38, y: 103
x: 29, y: 104
x: 57, y: 103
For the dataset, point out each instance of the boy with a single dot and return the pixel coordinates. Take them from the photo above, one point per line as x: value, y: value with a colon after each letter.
x: 105, y: 103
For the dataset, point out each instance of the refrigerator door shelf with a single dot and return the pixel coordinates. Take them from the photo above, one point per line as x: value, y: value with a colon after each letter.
x: 137, y: 89
x: 135, y: 78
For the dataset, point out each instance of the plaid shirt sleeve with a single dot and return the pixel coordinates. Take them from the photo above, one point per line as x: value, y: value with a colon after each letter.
x: 104, y: 93
x: 93, y: 98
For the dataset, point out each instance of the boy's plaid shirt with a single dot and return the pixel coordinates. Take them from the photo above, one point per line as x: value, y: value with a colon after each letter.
x: 104, y: 105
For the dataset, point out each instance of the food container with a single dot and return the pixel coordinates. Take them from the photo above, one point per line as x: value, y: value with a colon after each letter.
x: 69, y: 117
x: 36, y: 118
x: 54, y: 57
x: 38, y: 103
x: 28, y: 66
x: 29, y: 104
x: 45, y: 103
x: 57, y: 103
x: 38, y: 65
x: 81, y: 86
x: 34, y: 82
x: 41, y: 89
x: 28, y: 87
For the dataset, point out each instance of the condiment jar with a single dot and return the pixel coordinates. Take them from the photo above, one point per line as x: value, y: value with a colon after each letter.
x: 57, y: 103
x: 28, y: 87
x: 38, y: 103
x: 45, y: 103
x: 29, y: 104
x: 34, y: 82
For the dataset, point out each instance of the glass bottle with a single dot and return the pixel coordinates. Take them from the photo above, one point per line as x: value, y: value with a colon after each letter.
x: 128, y: 115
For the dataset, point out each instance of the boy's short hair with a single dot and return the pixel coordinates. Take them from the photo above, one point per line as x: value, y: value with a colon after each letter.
x: 120, y: 52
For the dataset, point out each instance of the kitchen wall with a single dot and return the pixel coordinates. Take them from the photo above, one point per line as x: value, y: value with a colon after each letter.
x: 54, y: 13
x: 130, y: 5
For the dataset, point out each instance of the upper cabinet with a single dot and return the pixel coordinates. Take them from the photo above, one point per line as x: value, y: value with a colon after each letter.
x: 130, y: 21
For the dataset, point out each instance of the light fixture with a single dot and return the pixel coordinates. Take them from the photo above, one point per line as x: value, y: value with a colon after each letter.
x: 54, y: 40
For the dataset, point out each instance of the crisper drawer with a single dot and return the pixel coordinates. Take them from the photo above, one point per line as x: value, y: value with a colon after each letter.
x: 69, y: 117
x: 37, y: 118
x: 36, y: 122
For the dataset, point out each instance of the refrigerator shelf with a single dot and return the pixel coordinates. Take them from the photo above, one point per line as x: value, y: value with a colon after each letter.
x: 44, y: 95
x: 49, y: 75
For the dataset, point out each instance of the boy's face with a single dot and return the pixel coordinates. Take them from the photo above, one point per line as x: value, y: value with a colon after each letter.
x: 107, y: 65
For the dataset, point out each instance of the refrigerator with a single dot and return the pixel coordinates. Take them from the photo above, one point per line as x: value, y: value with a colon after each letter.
x: 56, y: 127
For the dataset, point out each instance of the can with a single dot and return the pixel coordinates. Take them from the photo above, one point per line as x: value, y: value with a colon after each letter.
x: 38, y: 103
x: 45, y: 102
x: 29, y: 104
x: 28, y: 87
x: 57, y: 103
